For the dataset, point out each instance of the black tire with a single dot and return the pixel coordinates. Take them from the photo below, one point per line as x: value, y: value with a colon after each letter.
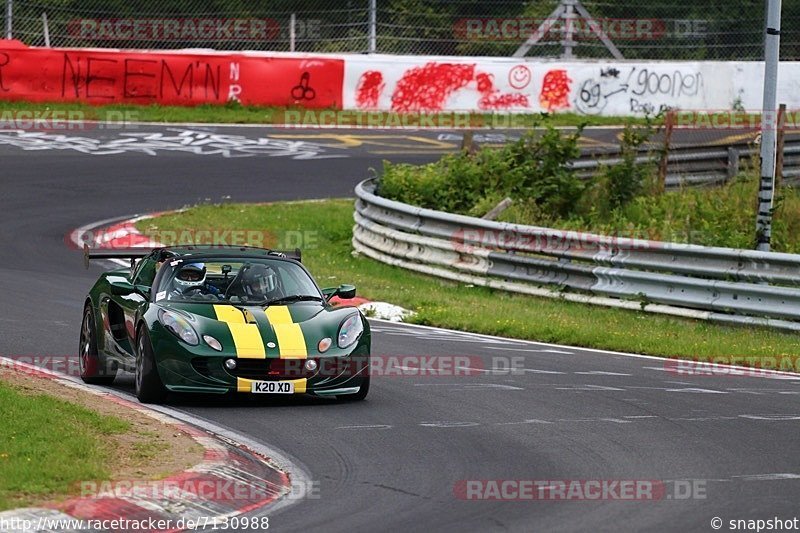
x: 149, y: 387
x: 357, y: 397
x: 88, y: 357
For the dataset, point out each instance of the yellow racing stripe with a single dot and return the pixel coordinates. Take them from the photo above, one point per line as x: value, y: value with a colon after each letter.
x: 246, y: 337
x: 291, y: 341
x: 229, y: 314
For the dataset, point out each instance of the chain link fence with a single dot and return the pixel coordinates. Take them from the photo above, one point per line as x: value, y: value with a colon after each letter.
x: 671, y: 30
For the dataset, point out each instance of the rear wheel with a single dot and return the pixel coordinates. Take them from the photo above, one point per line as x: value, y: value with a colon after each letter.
x: 88, y: 357
x: 357, y: 397
x: 149, y: 387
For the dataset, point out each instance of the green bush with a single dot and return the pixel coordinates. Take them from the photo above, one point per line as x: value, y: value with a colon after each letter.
x: 714, y: 216
x: 620, y: 184
x: 533, y: 169
x: 622, y: 200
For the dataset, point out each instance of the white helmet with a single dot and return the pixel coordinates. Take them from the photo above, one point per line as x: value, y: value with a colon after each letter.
x: 190, y: 276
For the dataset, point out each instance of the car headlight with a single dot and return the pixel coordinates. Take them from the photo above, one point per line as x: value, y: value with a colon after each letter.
x: 349, y: 331
x: 179, y: 326
x: 214, y: 343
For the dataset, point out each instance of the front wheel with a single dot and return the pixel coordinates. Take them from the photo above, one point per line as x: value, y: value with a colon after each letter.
x: 88, y: 358
x: 149, y: 387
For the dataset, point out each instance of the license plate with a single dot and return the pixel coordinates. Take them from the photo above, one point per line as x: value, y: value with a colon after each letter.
x: 272, y: 387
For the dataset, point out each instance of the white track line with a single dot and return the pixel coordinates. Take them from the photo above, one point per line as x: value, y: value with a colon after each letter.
x: 766, y: 373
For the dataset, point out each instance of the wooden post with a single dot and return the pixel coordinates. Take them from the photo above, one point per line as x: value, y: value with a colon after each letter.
x: 669, y: 123
x: 467, y: 144
x: 499, y: 208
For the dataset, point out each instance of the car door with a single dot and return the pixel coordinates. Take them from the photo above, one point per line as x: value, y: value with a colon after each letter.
x: 122, y: 309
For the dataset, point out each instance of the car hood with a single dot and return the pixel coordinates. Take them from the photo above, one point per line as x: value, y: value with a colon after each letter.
x: 277, y: 331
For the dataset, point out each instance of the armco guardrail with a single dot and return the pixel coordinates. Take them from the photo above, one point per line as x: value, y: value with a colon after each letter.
x: 699, y: 164
x: 718, y: 284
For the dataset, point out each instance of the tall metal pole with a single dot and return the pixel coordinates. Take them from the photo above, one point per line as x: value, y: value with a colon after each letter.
x: 766, y: 189
x: 373, y: 26
x: 569, y: 21
x: 9, y: 19
x: 46, y: 28
x: 292, y: 31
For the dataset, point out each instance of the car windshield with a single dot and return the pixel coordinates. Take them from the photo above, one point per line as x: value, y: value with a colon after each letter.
x: 236, y: 281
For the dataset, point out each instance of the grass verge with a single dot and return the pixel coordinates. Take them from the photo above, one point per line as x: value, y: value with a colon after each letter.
x: 56, y: 437
x: 326, y: 230
x: 49, y: 445
x: 233, y: 113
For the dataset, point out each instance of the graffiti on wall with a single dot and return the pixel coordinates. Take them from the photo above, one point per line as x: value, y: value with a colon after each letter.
x: 171, y: 78
x: 430, y: 87
x: 636, y: 89
x: 410, y: 85
x: 554, y: 95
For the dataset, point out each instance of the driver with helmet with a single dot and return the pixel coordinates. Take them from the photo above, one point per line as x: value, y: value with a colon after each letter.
x: 191, y: 280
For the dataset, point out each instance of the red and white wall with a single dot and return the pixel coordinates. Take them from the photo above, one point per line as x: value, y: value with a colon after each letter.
x: 382, y: 82
x: 104, y: 76
x: 412, y: 83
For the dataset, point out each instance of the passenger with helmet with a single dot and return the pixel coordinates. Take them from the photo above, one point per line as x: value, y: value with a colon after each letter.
x: 190, y: 280
x: 260, y: 282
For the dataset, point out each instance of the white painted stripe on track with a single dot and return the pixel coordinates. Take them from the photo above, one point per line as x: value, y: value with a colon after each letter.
x: 529, y: 350
x: 587, y: 350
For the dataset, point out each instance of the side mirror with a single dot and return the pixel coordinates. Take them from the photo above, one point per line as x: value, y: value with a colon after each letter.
x: 121, y: 288
x: 345, y: 292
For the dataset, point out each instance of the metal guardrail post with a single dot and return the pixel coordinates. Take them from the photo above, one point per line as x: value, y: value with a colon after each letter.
x: 780, y: 145
x: 669, y: 122
x: 733, y: 163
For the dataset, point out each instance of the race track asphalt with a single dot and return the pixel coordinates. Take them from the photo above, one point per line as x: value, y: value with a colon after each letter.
x: 392, y: 462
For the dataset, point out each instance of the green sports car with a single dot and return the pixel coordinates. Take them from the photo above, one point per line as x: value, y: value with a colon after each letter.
x: 221, y: 319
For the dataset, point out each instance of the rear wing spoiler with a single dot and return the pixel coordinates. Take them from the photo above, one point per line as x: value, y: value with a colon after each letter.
x: 290, y: 254
x: 137, y: 253
x: 114, y: 253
